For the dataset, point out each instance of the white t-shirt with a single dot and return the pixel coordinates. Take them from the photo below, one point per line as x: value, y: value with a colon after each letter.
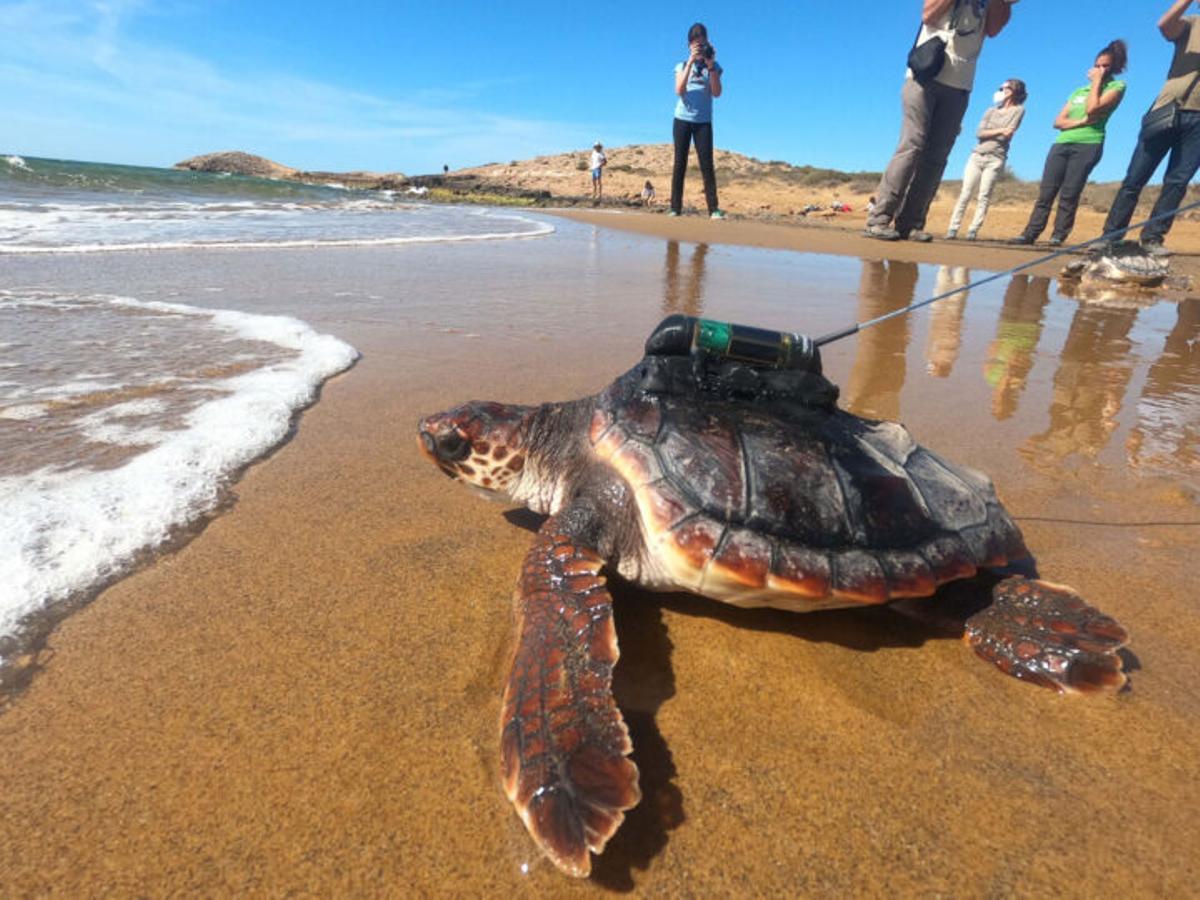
x: 963, y: 42
x: 598, y: 159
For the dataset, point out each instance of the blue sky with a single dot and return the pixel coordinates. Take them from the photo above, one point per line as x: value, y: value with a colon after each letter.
x: 410, y: 86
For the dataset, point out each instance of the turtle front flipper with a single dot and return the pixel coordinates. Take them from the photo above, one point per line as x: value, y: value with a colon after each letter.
x: 1047, y: 634
x: 564, y: 747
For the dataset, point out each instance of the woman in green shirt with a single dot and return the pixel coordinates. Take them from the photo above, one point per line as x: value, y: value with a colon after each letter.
x: 1078, y: 147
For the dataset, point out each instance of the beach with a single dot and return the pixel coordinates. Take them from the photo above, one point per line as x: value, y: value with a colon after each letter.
x: 301, y: 696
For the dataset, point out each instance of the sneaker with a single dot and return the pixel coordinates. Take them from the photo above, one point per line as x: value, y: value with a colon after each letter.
x: 921, y: 237
x: 971, y: 235
x: 716, y: 214
x: 673, y: 213
x: 951, y: 235
x: 1055, y: 241
x: 1019, y: 239
x: 881, y: 233
x: 1155, y: 248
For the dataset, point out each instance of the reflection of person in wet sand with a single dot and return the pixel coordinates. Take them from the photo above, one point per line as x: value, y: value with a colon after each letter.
x: 684, y: 294
x: 1011, y: 352
x: 946, y: 321
x: 1089, y: 386
x: 1167, y: 433
x: 877, y: 377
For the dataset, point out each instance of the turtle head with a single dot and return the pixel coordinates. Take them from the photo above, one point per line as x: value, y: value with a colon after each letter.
x: 479, y: 443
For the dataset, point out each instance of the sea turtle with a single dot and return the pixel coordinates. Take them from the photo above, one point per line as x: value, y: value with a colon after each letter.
x: 692, y: 472
x: 1122, y: 264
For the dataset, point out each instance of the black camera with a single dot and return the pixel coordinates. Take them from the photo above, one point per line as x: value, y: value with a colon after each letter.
x: 708, y: 51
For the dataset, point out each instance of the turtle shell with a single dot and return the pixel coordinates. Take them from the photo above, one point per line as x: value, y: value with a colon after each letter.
x: 762, y: 505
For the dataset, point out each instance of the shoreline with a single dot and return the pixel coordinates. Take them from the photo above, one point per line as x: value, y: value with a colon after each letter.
x: 835, y: 240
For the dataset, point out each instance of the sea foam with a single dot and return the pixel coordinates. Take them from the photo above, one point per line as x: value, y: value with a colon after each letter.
x: 68, y: 528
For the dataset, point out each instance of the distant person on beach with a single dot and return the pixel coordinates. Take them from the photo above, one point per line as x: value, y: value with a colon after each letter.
x: 995, y: 133
x: 1182, y: 141
x: 932, y: 107
x: 445, y: 169
x: 648, y: 194
x: 599, y: 161
x: 697, y: 82
x: 1079, y: 146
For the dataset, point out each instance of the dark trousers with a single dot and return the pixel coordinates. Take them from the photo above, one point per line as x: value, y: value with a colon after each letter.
x: 701, y: 134
x: 1184, y: 146
x: 1065, y: 174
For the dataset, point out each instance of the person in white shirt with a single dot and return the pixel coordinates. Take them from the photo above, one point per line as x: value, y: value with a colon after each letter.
x: 599, y: 161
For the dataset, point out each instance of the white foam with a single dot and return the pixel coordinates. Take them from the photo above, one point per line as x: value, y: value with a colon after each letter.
x: 16, y: 162
x: 64, y: 530
x: 540, y: 230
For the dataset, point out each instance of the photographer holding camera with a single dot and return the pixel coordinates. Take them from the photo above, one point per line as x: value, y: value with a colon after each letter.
x: 697, y: 82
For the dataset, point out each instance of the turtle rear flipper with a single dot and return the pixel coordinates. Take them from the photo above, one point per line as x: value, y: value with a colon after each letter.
x: 564, y: 747
x: 1047, y: 634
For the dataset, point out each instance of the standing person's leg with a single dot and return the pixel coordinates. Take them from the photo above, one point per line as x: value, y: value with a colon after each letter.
x: 682, y: 133
x: 1146, y: 157
x: 915, y: 110
x: 1080, y: 162
x: 1052, y: 178
x: 1184, y: 161
x: 703, y: 132
x: 970, y: 181
x: 949, y: 106
x: 987, y: 183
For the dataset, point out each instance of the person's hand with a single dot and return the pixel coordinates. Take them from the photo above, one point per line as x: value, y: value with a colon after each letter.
x: 1097, y: 73
x: 697, y: 51
x: 1007, y: 132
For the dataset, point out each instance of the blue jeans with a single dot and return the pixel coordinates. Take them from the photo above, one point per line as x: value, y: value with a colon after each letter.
x: 1184, y: 146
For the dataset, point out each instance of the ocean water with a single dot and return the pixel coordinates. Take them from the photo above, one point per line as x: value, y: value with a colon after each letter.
x: 124, y: 418
x: 54, y: 206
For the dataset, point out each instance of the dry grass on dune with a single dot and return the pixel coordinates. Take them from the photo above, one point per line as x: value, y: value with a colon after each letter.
x: 777, y: 190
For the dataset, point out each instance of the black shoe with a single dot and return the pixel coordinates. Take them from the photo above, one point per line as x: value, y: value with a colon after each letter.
x: 1155, y: 248
x: 1055, y: 242
x: 921, y: 237
x: 1019, y: 239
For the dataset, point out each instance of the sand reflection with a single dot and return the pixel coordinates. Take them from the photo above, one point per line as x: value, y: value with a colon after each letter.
x: 683, y: 291
x: 946, y: 321
x: 878, y: 373
x: 1094, y: 370
x: 1011, y: 353
x: 1167, y: 432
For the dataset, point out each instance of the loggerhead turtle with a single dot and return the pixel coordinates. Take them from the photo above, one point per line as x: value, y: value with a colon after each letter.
x: 1125, y: 264
x: 747, y: 484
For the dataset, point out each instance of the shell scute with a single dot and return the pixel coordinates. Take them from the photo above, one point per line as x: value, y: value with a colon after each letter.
x: 954, y: 501
x: 794, y: 490
x: 885, y: 508
x: 636, y: 463
x: 801, y: 570
x: 744, y: 558
x: 859, y: 577
x: 949, y: 558
x: 908, y: 574
x: 692, y: 543
x: 662, y: 507
x: 706, y: 461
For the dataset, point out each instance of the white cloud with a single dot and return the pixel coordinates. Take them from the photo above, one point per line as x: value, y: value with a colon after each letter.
x: 78, y: 86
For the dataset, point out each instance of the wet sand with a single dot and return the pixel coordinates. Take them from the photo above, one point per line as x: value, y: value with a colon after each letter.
x: 304, y: 698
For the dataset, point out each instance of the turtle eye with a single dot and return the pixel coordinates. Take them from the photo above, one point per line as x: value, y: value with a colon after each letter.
x: 452, y: 447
